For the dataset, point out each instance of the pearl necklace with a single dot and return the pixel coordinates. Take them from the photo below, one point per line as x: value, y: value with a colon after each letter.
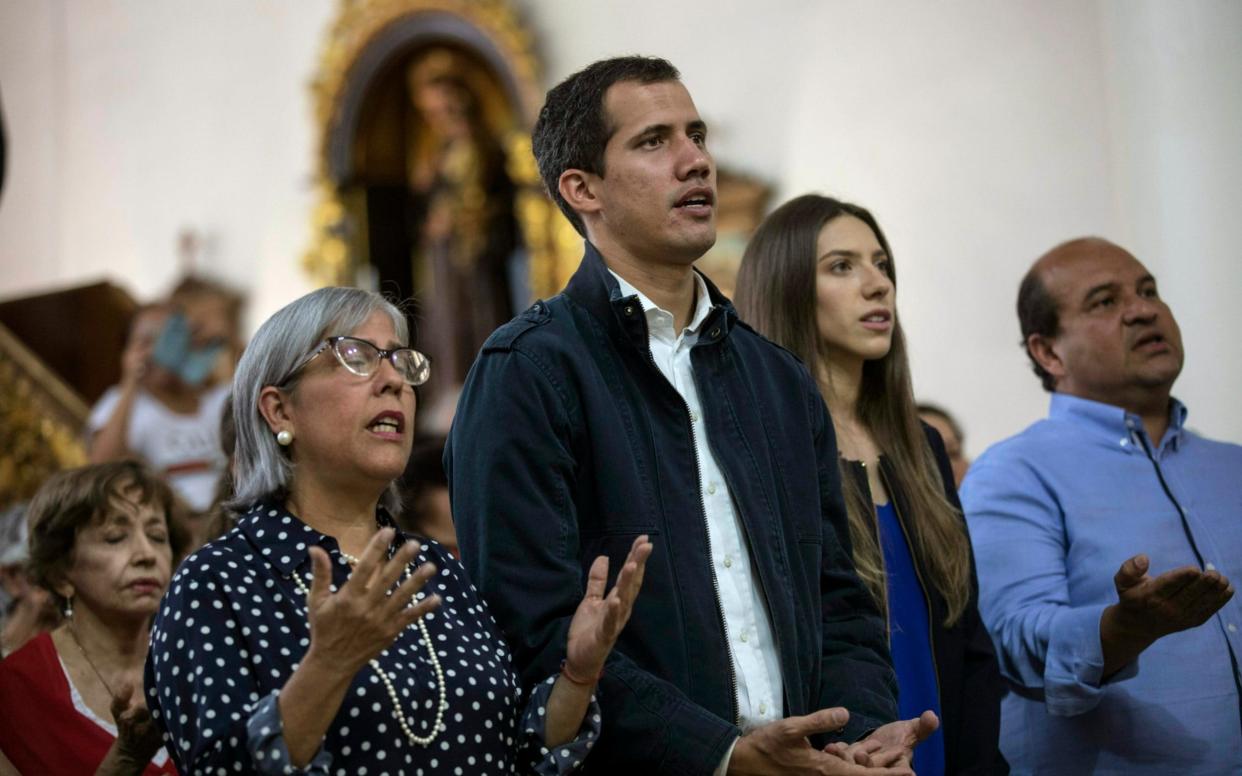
x: 441, y: 704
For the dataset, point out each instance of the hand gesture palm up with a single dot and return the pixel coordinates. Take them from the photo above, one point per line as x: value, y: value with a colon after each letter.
x: 362, y: 618
x: 599, y: 618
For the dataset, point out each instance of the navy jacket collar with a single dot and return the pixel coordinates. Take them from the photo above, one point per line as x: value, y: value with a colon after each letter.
x: 593, y: 287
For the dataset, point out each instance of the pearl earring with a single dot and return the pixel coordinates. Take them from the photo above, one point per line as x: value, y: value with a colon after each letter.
x: 284, y: 437
x: 69, y: 608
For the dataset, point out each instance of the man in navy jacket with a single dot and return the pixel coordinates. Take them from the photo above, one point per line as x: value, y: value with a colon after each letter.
x: 635, y: 402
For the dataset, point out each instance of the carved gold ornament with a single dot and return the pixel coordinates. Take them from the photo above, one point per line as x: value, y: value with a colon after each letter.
x: 334, y: 256
x: 40, y: 418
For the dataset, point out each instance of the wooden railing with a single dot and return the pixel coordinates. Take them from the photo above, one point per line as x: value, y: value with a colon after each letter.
x: 59, y: 351
x: 41, y: 421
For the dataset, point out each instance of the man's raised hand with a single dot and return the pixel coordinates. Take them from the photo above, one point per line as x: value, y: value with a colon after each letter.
x: 599, y: 618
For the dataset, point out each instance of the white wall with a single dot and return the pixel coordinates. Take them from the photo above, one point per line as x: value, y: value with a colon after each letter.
x: 1174, y: 72
x: 32, y: 65
x: 130, y: 121
x: 975, y: 133
x: 980, y: 133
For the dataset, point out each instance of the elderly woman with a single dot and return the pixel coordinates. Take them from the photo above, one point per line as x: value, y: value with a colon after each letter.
x: 314, y: 636
x: 71, y: 700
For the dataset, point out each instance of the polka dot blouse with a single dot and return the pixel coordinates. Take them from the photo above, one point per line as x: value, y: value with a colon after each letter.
x: 233, y: 627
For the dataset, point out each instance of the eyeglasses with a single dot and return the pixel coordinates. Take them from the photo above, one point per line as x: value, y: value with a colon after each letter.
x: 363, y: 359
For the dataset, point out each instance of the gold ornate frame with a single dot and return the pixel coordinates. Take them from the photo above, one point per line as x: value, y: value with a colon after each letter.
x: 41, y: 418
x: 363, y: 36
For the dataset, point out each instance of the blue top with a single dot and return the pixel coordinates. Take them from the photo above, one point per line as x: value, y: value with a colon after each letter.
x: 233, y: 627
x: 910, y: 640
x: 1053, y: 513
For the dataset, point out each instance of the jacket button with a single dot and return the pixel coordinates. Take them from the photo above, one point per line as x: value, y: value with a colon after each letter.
x: 715, y: 333
x: 629, y: 309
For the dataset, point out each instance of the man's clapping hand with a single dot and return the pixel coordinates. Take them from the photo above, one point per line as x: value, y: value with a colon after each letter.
x: 782, y: 747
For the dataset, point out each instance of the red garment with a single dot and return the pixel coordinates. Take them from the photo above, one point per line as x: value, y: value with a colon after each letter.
x: 40, y: 730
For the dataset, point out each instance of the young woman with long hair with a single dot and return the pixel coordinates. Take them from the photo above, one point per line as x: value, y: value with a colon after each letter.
x: 818, y: 278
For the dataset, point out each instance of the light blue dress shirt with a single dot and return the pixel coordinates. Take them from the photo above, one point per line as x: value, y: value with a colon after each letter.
x: 1053, y: 512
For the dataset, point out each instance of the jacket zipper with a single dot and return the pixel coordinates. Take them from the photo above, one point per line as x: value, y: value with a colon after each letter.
x: 901, y: 522
x: 711, y: 563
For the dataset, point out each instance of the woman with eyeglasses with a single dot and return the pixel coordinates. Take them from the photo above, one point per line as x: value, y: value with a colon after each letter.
x: 314, y: 636
x: 818, y: 278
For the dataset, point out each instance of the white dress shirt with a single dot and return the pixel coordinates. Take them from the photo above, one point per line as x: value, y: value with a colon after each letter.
x: 756, y: 664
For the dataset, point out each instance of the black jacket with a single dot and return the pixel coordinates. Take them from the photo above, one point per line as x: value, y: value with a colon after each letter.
x: 568, y: 442
x: 966, y: 670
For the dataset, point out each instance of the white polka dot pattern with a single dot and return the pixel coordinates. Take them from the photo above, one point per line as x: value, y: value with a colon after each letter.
x: 232, y: 628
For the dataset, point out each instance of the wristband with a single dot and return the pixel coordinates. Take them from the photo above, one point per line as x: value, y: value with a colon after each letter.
x: 565, y: 672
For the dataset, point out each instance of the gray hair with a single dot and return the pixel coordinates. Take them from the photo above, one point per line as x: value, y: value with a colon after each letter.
x: 262, y: 470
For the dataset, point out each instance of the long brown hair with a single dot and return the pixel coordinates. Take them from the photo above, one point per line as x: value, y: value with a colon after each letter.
x: 776, y: 293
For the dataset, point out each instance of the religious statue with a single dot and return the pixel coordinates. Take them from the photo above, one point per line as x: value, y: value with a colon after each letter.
x: 463, y: 210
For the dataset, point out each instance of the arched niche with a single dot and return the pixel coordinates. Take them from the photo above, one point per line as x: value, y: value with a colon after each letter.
x: 365, y: 51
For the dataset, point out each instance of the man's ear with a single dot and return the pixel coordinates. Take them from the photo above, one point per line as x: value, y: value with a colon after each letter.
x: 274, y: 407
x: 578, y: 188
x: 1043, y: 350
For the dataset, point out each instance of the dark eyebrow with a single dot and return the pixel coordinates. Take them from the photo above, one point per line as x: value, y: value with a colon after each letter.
x: 1096, y: 290
x: 651, y: 129
x: 392, y: 344
x: 852, y: 254
x: 1146, y: 279
x: 114, y: 517
x: 663, y: 130
x: 841, y: 253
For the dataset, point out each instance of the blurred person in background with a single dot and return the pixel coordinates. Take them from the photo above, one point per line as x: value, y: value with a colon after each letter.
x: 220, y: 517
x: 425, y: 494
x: 26, y: 609
x: 167, y: 408
x: 818, y: 278
x: 102, y: 545
x: 951, y: 432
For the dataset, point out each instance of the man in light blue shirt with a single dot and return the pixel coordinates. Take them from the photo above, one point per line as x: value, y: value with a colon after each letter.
x: 1105, y: 536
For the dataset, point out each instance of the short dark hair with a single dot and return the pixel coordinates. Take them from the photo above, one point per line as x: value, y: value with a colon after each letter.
x: 70, y: 500
x: 572, y: 130
x: 1037, y: 314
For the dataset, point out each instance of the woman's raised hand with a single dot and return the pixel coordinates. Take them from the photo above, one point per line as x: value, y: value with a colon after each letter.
x: 359, y: 621
x: 600, y: 618
x: 138, y: 737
